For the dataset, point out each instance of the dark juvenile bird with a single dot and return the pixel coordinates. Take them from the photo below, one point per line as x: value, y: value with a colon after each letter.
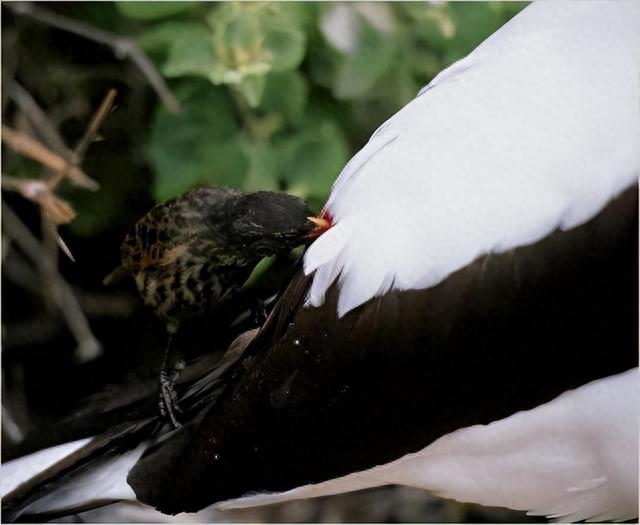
x: 194, y: 252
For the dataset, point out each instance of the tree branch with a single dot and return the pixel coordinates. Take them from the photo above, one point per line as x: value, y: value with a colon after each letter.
x: 35, y: 150
x: 94, y: 125
x: 38, y: 118
x: 123, y: 47
x: 88, y: 346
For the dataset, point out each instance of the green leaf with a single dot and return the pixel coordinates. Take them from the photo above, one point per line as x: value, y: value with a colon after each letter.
x: 201, y: 145
x: 241, y: 31
x: 160, y: 36
x: 285, y: 93
x: 433, y: 24
x: 324, y: 61
x: 103, y: 15
x: 285, y: 48
x: 215, y: 164
x: 252, y: 88
x: 297, y: 15
x: 264, y: 167
x: 474, y: 22
x: 313, y: 158
x: 190, y: 52
x: 371, y: 59
x: 508, y: 9
x: 258, y: 271
x: 152, y: 10
x: 237, y: 37
x: 251, y: 40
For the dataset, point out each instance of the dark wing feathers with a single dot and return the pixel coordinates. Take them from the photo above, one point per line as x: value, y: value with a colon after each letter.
x: 112, y: 443
x: 202, y: 382
x: 318, y: 397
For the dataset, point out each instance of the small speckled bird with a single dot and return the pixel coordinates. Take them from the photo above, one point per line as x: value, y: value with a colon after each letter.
x: 194, y: 252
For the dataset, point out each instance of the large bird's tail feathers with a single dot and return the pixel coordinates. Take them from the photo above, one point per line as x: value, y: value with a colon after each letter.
x: 88, y: 473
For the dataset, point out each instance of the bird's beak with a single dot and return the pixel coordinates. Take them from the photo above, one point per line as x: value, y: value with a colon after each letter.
x: 321, y: 226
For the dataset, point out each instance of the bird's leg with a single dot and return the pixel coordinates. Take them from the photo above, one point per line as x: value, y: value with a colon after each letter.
x: 171, y: 368
x: 259, y: 312
x: 168, y: 398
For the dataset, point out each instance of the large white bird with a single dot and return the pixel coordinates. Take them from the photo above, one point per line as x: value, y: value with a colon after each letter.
x: 468, y: 325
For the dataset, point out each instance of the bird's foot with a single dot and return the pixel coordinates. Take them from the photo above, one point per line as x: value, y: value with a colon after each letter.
x: 259, y: 312
x: 168, y: 401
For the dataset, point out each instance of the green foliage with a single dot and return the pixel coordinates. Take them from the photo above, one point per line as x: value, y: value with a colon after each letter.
x: 285, y: 94
x: 152, y: 10
x: 313, y: 156
x: 190, y: 50
x: 358, y: 71
x: 201, y: 145
x: 280, y: 95
x: 258, y: 271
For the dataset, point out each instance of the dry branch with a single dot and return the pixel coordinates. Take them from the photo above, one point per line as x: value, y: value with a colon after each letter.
x: 123, y: 47
x: 58, y: 210
x: 88, y: 346
x: 38, y: 118
x: 94, y: 125
x: 55, y: 211
x: 35, y: 150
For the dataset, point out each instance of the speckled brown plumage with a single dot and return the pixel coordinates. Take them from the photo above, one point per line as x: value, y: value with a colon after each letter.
x: 193, y: 252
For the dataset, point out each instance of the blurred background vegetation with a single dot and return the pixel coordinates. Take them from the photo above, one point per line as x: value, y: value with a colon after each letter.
x: 258, y: 96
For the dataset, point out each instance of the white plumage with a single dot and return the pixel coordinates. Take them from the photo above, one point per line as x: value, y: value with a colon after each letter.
x: 20, y: 470
x: 536, y: 129
x: 109, y: 482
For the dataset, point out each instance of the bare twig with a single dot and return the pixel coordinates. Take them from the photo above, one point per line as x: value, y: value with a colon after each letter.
x: 22, y: 186
x: 58, y: 210
x: 55, y: 210
x: 88, y: 345
x: 45, y: 128
x: 76, y: 158
x: 38, y: 118
x: 35, y: 150
x: 48, y: 264
x: 123, y: 47
x: 94, y: 125
x: 65, y: 249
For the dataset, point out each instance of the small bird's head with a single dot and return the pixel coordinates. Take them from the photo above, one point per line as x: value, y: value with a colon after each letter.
x: 269, y: 222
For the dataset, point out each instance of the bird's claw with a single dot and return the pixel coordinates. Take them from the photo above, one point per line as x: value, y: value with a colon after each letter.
x: 168, y: 402
x: 259, y: 312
